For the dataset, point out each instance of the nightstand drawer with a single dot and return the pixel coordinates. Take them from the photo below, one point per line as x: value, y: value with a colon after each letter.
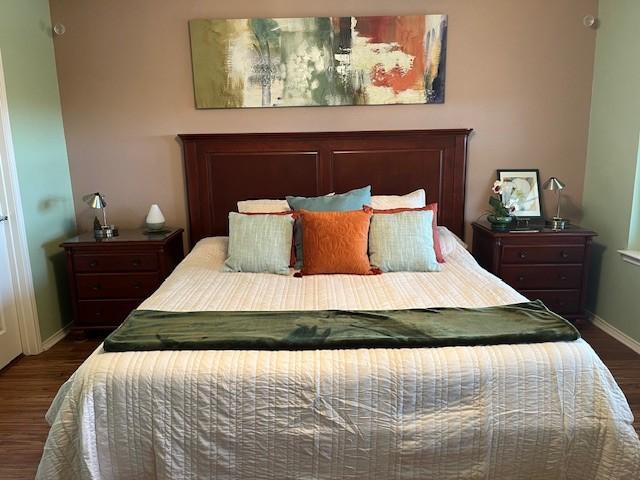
x: 558, y: 301
x: 104, y: 313
x: 116, y: 285
x: 123, y: 262
x: 543, y: 254
x: 529, y: 277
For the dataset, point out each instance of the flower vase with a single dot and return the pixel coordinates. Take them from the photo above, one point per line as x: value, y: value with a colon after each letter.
x: 500, y: 223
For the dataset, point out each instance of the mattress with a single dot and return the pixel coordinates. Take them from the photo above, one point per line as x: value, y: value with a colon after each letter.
x: 534, y: 411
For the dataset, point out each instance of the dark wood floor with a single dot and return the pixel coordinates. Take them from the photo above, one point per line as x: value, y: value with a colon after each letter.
x: 27, y: 387
x: 623, y: 362
x: 29, y: 384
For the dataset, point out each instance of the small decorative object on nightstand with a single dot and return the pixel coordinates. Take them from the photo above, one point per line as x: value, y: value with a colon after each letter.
x: 550, y: 265
x: 155, y: 219
x: 110, y: 277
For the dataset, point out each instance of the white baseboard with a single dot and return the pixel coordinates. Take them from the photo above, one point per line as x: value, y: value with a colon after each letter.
x: 55, y: 338
x: 614, y: 332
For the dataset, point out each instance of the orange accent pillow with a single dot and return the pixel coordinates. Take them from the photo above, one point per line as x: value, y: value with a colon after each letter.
x: 292, y: 258
x: 436, y: 235
x: 335, y: 242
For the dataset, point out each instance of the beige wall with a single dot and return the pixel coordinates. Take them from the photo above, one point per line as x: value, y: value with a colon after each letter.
x: 519, y: 72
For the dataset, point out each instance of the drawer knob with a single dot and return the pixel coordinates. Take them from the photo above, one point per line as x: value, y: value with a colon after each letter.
x: 136, y: 263
x: 98, y: 314
x: 564, y: 254
x: 521, y: 278
x: 563, y: 277
x: 96, y: 287
x: 523, y: 255
x: 93, y: 264
x: 137, y: 285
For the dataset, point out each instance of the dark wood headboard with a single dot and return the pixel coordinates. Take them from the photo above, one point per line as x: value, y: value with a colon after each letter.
x: 224, y: 168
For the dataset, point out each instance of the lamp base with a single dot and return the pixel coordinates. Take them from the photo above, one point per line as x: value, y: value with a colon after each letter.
x: 558, y: 223
x: 106, y: 231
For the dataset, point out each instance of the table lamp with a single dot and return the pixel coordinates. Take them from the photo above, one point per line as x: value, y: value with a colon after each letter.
x: 96, y: 201
x: 555, y: 185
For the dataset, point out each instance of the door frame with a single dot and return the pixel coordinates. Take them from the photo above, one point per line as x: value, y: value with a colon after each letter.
x: 20, y: 265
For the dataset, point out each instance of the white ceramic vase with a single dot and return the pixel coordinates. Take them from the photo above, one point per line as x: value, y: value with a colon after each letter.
x: 155, y: 219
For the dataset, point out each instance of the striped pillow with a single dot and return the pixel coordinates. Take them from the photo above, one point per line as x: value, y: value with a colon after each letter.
x: 403, y: 242
x: 259, y: 243
x: 434, y: 230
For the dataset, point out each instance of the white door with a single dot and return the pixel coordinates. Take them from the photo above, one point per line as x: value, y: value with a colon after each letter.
x: 10, y: 346
x: 10, y: 342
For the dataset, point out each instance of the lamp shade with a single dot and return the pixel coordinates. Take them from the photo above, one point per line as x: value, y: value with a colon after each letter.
x: 553, y: 184
x: 95, y: 200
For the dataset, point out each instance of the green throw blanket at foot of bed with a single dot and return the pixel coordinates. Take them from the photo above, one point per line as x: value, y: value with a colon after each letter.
x: 529, y: 322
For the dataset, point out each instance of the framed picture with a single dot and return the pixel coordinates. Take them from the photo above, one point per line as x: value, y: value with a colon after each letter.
x: 318, y: 61
x: 521, y: 189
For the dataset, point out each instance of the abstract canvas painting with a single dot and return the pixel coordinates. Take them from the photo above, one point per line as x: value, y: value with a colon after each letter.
x: 281, y: 62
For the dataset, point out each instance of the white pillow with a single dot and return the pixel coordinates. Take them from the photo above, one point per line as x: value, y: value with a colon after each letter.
x: 266, y: 205
x: 415, y: 199
x: 263, y: 206
x: 449, y: 241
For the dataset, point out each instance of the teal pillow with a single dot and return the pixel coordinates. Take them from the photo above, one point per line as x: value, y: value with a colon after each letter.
x: 340, y: 202
x: 259, y: 243
x: 403, y: 242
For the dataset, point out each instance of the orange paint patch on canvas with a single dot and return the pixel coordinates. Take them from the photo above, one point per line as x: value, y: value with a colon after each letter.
x: 408, y: 34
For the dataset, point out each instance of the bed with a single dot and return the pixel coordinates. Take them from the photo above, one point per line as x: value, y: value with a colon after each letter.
x: 533, y: 411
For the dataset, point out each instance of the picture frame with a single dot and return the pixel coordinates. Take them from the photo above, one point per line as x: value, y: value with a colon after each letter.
x: 318, y: 61
x: 522, y: 187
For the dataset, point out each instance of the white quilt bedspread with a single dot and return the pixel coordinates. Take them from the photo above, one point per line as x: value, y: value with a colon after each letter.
x: 536, y: 411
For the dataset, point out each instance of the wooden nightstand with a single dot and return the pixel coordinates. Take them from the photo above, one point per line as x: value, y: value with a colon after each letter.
x: 109, y: 278
x: 548, y: 265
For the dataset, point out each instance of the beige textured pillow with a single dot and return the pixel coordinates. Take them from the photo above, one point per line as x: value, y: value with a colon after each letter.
x: 263, y: 206
x: 415, y: 199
